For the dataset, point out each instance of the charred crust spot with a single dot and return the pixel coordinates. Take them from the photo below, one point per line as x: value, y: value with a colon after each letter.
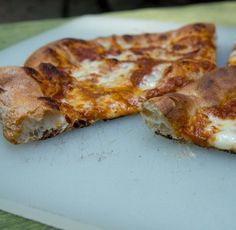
x: 81, y: 124
x: 147, y: 35
x: 52, y: 103
x: 163, y: 36
x: 49, y: 133
x: 2, y: 90
x: 30, y: 71
x: 68, y: 120
x: 50, y: 51
x: 87, y: 53
x: 166, y: 136
x: 81, y: 41
x: 178, y: 47
x: 51, y: 54
x: 184, y: 62
x: 168, y: 70
x: 199, y: 26
x: 72, y: 40
x: 128, y: 38
x: 227, y: 151
x: 50, y: 71
x: 113, y: 61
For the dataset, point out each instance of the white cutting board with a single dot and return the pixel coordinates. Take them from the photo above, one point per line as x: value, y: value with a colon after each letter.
x: 117, y: 174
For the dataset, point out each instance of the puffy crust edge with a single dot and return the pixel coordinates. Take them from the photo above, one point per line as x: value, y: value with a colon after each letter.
x: 166, y: 114
x: 24, y: 113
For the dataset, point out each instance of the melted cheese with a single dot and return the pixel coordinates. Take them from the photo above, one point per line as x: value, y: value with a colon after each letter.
x: 123, y: 44
x: 150, y: 81
x: 106, y: 43
x: 106, y: 75
x: 117, y: 76
x: 225, y: 135
x: 86, y: 68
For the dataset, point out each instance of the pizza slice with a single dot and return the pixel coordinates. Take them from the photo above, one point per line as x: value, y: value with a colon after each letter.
x: 204, y: 112
x: 74, y: 83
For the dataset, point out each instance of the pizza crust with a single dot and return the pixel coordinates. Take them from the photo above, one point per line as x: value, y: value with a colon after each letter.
x: 74, y: 83
x: 193, y: 41
x: 155, y: 119
x: 192, y: 112
x: 24, y: 113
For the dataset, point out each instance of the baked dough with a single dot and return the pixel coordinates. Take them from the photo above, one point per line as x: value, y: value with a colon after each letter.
x: 74, y: 83
x: 203, y: 112
x: 26, y: 114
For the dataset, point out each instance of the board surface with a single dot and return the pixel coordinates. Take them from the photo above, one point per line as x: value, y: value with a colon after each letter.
x: 117, y: 174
